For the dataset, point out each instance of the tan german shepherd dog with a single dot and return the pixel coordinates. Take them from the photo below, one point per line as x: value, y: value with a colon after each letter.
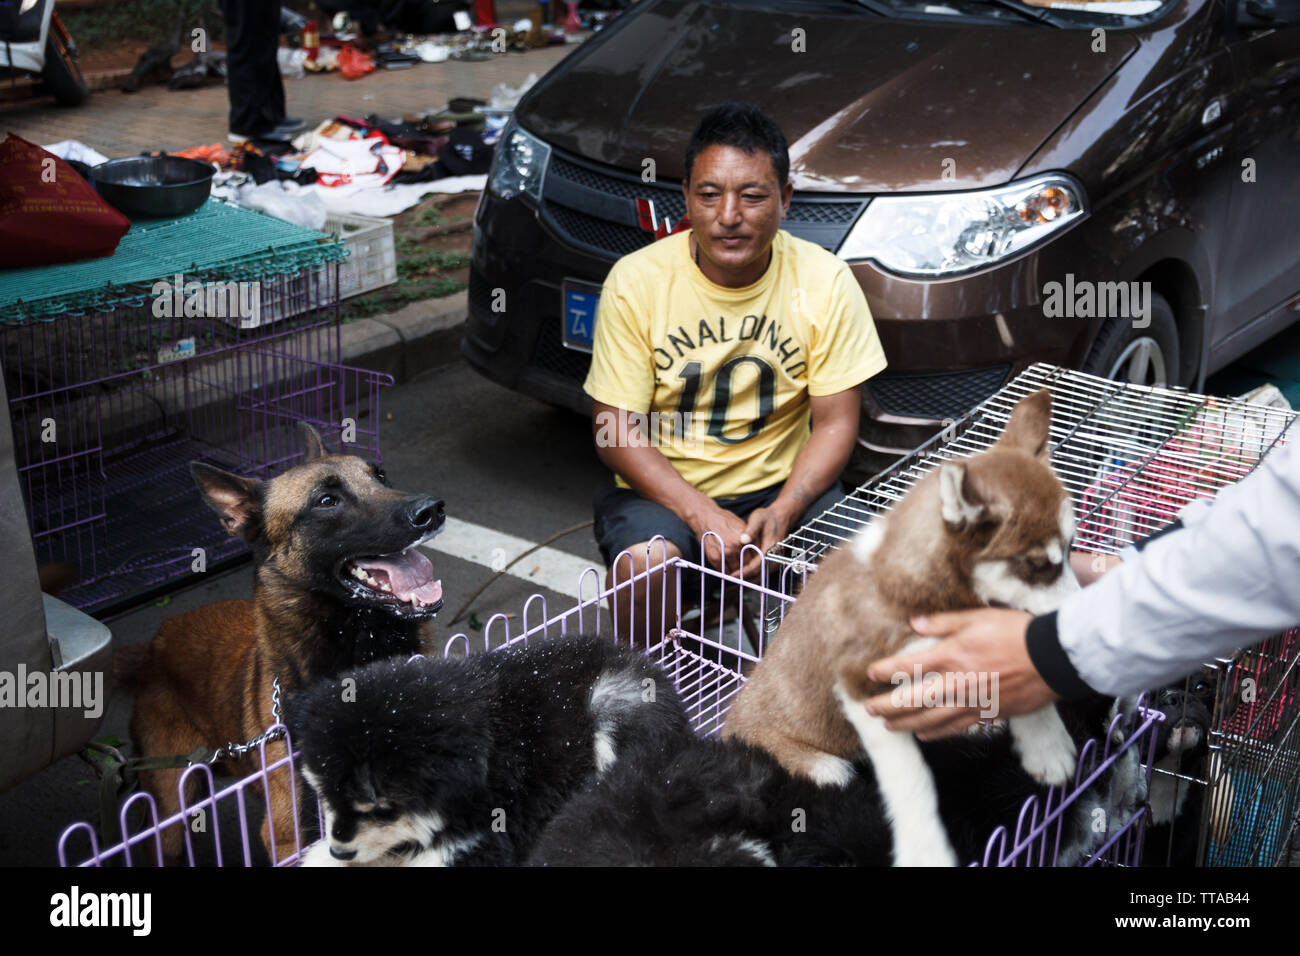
x: 339, y: 582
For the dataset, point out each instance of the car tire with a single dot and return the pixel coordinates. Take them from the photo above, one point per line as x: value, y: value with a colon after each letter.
x: 1143, y: 356
x: 61, y: 74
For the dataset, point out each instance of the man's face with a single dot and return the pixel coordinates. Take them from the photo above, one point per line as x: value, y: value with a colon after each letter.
x: 736, y: 206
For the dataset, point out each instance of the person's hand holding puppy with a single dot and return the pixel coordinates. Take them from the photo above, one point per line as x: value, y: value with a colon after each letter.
x: 982, y: 640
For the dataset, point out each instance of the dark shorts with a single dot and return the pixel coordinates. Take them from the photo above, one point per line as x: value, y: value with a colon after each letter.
x: 624, y: 518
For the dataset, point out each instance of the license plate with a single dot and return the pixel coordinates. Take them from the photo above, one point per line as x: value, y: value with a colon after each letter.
x: 578, y: 321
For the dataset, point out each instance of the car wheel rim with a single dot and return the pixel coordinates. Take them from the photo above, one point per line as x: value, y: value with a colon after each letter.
x: 1142, y: 363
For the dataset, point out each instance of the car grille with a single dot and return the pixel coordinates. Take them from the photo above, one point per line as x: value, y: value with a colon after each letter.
x: 585, y: 217
x: 615, y: 186
x: 585, y: 230
x: 936, y: 395
x: 550, y: 355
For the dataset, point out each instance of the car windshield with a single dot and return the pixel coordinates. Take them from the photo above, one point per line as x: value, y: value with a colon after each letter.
x: 1067, y: 14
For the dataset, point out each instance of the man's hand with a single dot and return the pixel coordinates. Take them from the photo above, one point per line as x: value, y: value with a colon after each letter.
x: 984, y: 641
x: 727, y: 526
x: 766, y: 527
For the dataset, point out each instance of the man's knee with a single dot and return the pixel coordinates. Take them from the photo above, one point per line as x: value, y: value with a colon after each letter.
x: 643, y: 555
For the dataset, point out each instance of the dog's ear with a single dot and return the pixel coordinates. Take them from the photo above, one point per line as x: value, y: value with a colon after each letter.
x: 311, y: 441
x: 237, y: 501
x: 959, y: 502
x: 1029, y: 429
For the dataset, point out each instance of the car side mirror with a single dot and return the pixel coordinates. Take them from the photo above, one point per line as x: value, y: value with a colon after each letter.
x: 1266, y: 14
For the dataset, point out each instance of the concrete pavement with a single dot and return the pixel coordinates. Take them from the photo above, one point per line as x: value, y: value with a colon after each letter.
x: 121, y: 124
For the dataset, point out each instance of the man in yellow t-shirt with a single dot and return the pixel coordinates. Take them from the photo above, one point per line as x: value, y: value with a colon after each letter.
x: 726, y: 370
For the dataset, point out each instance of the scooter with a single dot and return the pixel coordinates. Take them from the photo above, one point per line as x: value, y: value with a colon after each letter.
x: 34, y: 40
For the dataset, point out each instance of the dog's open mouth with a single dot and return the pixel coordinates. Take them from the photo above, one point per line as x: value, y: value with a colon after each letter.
x: 402, y: 581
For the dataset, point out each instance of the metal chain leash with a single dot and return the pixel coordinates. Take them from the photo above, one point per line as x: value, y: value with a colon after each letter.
x: 119, y: 775
x: 235, y: 751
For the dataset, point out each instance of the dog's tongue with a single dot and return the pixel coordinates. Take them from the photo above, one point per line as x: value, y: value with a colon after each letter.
x: 410, y: 575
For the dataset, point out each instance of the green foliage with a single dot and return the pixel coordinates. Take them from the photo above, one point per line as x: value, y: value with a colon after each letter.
x: 146, y: 21
x: 419, y: 277
x: 429, y: 217
x: 395, y: 297
x: 430, y: 260
x: 414, y: 261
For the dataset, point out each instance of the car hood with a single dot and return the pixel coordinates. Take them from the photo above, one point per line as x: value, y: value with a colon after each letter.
x: 871, y: 104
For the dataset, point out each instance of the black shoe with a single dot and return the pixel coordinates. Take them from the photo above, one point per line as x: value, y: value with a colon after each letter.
x: 290, y: 124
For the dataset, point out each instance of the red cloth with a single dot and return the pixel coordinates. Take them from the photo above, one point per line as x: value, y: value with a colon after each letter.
x: 48, y: 213
x: 354, y: 64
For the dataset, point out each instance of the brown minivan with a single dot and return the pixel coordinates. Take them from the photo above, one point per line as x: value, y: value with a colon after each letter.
x: 1112, y: 186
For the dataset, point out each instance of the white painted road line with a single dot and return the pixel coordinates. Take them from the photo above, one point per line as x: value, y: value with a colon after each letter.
x: 549, y: 567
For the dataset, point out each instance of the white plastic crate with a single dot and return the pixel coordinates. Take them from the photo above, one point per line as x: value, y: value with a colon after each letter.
x: 372, y: 257
x: 371, y: 264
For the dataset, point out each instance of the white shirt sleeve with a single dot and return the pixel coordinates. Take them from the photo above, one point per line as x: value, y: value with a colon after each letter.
x: 1228, y: 579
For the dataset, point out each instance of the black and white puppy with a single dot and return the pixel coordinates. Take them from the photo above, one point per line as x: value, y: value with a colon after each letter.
x: 715, y: 803
x: 725, y: 803
x: 462, y: 762
x: 1177, y: 793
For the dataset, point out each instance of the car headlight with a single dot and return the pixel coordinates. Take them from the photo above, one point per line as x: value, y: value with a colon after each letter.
x: 519, y: 165
x: 944, y: 233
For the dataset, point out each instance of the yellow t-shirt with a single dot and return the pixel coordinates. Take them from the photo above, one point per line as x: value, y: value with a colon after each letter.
x: 727, y: 373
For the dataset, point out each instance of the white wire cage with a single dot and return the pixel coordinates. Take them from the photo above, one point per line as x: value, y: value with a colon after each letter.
x: 1131, y: 457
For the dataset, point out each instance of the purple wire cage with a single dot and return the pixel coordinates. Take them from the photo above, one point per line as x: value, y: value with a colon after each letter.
x: 710, y: 640
x: 108, y: 409
x: 1037, y: 839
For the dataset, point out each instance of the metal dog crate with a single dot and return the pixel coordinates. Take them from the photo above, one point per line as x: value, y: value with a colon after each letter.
x: 705, y: 655
x: 1252, y: 796
x: 1131, y: 457
x: 113, y: 392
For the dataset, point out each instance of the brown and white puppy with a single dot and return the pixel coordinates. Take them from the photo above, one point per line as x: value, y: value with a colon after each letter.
x: 993, y: 529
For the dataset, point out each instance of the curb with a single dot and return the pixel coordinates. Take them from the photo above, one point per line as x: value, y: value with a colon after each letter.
x: 106, y: 79
x: 422, y: 336
x: 27, y: 89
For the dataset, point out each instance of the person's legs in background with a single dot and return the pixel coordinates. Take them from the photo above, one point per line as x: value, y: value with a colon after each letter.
x: 273, y: 81
x: 257, y: 107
